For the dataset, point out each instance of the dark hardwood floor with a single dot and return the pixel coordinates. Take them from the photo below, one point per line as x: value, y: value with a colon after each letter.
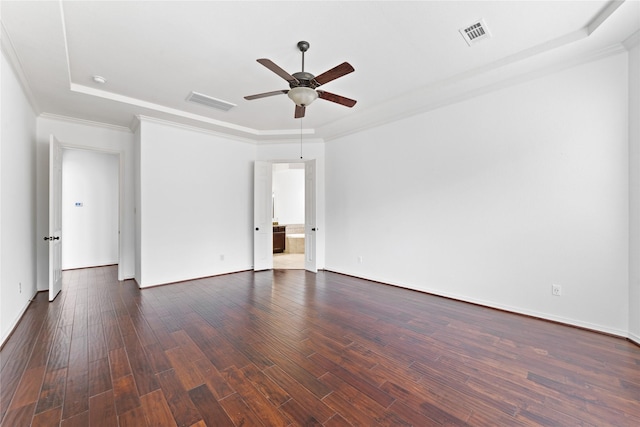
x: 288, y: 347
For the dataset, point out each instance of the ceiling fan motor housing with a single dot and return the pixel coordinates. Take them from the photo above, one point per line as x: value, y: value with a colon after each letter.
x: 304, y: 80
x: 302, y: 85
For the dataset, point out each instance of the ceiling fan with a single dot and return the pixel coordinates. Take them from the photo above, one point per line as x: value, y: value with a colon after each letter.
x: 303, y: 85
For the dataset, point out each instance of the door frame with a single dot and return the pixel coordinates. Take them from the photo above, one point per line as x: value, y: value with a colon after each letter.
x: 54, y: 230
x: 310, y: 216
x: 305, y: 161
x: 262, y: 215
x: 120, y: 154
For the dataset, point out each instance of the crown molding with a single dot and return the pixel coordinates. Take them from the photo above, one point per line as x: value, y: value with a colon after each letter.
x: 208, y: 123
x: 14, y: 61
x: 77, y: 121
x: 74, y: 87
x: 63, y: 23
x: 463, y: 87
x: 139, y: 119
x: 632, y: 41
x: 134, y: 125
x: 503, y: 73
x: 201, y: 123
x: 603, y: 15
x: 290, y: 141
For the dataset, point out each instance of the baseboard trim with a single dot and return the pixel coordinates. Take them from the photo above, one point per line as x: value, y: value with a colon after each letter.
x: 558, y: 321
x: 18, y: 319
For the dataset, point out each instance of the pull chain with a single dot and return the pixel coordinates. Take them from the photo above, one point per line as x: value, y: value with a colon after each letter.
x: 300, y: 137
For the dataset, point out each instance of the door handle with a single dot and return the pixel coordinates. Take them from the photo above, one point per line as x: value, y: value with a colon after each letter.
x: 313, y: 229
x: 51, y: 237
x: 257, y: 228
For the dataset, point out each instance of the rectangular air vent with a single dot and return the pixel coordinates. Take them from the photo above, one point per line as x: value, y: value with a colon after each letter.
x: 209, y: 101
x: 475, y: 32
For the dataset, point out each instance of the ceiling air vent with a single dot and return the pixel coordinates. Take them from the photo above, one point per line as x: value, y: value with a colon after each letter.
x: 475, y: 32
x: 218, y: 104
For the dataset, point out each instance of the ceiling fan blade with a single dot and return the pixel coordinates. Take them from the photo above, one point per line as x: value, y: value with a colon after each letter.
x: 299, y: 112
x: 264, y: 95
x: 328, y: 96
x: 276, y: 69
x: 334, y: 73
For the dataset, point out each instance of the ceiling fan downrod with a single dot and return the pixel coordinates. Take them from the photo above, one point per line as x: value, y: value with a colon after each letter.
x: 303, y: 46
x: 302, y: 85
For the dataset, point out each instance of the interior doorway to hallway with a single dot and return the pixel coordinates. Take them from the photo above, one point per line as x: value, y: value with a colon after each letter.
x: 288, y: 204
x: 90, y: 208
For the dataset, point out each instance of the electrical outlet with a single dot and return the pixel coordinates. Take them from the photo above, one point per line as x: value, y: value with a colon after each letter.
x: 360, y: 259
x: 222, y: 257
x: 20, y: 286
x: 556, y: 290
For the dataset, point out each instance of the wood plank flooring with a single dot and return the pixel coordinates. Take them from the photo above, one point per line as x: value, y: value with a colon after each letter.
x: 290, y: 348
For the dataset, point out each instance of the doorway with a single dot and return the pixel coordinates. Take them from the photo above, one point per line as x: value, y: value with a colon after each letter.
x: 288, y: 206
x: 54, y: 237
x: 263, y: 214
x: 90, y: 208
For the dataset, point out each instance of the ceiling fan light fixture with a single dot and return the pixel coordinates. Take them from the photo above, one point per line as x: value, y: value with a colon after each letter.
x: 303, y: 84
x: 302, y: 96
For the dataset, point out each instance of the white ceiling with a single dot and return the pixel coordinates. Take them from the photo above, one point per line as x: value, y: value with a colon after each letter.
x: 408, y: 56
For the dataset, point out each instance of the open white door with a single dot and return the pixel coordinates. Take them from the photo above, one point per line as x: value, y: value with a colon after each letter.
x: 262, y: 217
x: 55, y: 217
x: 310, y: 216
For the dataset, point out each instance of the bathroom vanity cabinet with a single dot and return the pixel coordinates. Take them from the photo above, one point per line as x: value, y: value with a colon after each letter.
x: 279, y: 238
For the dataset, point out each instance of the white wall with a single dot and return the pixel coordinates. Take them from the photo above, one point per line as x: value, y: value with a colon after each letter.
x: 634, y: 191
x: 91, y: 136
x: 288, y: 191
x: 17, y: 201
x: 89, y: 208
x: 493, y: 199
x: 195, y: 204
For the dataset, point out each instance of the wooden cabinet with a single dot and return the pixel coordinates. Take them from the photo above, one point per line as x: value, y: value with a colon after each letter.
x: 279, y: 238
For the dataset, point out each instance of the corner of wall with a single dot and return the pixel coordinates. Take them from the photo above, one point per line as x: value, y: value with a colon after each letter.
x: 17, y: 199
x: 633, y: 46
